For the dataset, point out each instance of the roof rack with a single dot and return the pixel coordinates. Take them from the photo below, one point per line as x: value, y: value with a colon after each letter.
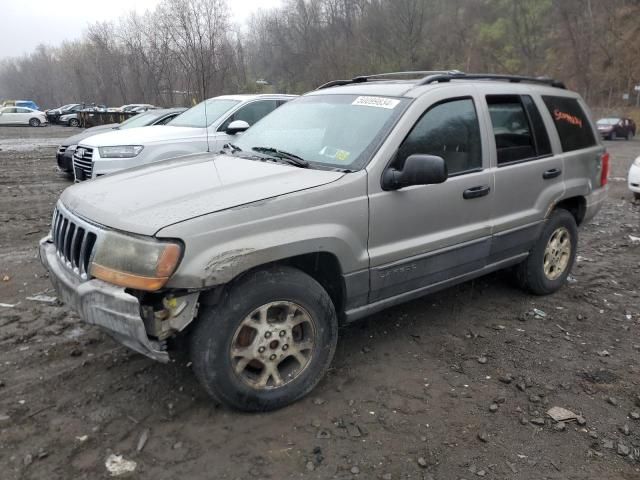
x: 446, y: 77
x: 382, y: 76
x: 437, y: 76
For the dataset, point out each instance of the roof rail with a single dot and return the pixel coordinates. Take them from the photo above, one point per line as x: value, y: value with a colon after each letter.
x: 381, y: 76
x: 439, y: 78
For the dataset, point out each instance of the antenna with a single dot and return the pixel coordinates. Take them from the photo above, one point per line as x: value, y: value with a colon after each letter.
x: 206, y: 123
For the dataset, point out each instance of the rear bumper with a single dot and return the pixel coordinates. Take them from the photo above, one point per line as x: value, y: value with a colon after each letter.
x: 594, y: 203
x: 102, y: 304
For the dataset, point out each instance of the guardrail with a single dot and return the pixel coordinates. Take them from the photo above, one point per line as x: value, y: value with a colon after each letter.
x: 91, y: 119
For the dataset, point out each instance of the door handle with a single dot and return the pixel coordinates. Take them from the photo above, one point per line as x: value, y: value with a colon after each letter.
x: 553, y: 173
x: 475, y: 192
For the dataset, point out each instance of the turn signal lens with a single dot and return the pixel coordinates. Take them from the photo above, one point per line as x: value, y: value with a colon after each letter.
x: 127, y: 280
x: 168, y: 260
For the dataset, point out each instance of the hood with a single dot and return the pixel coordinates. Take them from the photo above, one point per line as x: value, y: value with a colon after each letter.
x: 144, y: 136
x: 89, y: 132
x: 143, y: 200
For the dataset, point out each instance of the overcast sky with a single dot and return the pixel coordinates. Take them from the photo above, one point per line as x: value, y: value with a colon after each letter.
x: 27, y: 23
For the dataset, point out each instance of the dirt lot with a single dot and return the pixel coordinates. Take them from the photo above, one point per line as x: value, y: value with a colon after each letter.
x: 452, y: 386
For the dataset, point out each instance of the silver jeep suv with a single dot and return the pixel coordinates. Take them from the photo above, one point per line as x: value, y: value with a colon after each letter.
x: 353, y: 198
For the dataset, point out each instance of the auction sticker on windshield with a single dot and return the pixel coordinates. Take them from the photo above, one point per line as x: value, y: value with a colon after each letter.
x: 380, y: 102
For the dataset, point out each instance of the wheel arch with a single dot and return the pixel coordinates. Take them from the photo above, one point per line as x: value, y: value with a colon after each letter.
x: 323, y: 266
x: 576, y: 206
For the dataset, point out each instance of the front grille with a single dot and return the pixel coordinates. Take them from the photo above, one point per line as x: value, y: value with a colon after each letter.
x: 74, y: 242
x: 83, y: 163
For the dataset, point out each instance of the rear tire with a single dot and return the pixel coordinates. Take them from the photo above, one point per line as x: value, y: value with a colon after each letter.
x: 548, y: 265
x: 74, y: 122
x: 248, y: 350
x: 34, y: 122
x: 629, y: 136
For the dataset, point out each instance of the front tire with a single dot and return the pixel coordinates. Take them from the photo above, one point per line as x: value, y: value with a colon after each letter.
x: 548, y: 265
x: 74, y: 122
x: 268, y: 341
x: 34, y: 122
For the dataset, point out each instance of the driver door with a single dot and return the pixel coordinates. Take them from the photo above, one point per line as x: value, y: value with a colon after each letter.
x: 427, y: 234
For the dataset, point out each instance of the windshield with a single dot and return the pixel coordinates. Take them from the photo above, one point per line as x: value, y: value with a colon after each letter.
x: 195, y: 116
x: 608, y: 121
x: 331, y: 130
x: 140, y: 120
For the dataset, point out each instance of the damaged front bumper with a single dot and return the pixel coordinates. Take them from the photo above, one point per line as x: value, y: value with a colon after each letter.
x: 100, y: 303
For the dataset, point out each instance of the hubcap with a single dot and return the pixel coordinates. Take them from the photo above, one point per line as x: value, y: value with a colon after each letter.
x: 557, y: 253
x: 273, y: 345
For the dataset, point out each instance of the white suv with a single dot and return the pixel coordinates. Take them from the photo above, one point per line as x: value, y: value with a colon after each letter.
x: 206, y: 127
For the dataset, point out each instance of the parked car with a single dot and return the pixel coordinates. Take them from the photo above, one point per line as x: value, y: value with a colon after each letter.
x: 21, y: 103
x: 194, y: 131
x: 142, y: 108
x: 612, y: 128
x: 64, y: 154
x: 22, y: 116
x: 138, y: 107
x: 348, y: 200
x: 73, y: 119
x: 54, y: 114
x: 634, y: 178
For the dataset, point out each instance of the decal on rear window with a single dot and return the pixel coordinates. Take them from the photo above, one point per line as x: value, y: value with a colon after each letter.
x: 567, y: 117
x: 380, y: 102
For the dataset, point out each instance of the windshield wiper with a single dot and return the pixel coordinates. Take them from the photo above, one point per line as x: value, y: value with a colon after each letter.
x: 290, y: 158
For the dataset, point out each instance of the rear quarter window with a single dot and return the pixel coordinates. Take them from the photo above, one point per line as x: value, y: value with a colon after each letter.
x: 572, y: 124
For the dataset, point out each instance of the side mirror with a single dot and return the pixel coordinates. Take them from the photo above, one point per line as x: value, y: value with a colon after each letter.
x: 418, y: 170
x: 237, y: 126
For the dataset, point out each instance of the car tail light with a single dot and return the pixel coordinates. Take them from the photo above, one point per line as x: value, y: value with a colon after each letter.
x: 604, y: 169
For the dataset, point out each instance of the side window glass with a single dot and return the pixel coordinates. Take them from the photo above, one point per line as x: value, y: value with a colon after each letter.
x: 165, y: 120
x: 251, y: 113
x: 511, y: 129
x: 574, y: 128
x: 22, y: 110
x: 518, y: 128
x: 449, y: 130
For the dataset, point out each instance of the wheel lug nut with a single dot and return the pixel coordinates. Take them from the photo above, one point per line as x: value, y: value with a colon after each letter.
x: 261, y: 350
x: 267, y: 334
x: 282, y: 333
x: 285, y: 347
x: 272, y: 357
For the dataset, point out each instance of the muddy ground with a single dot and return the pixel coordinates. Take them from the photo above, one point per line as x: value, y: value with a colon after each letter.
x: 409, y: 396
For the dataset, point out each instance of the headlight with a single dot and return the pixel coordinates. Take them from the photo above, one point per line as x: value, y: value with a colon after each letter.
x: 135, y: 262
x: 636, y: 162
x: 122, y: 151
x: 72, y: 148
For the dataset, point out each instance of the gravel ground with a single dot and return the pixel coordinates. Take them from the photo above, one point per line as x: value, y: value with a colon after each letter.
x: 455, y: 385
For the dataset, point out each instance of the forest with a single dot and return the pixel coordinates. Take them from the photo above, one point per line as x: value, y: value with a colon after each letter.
x: 186, y: 50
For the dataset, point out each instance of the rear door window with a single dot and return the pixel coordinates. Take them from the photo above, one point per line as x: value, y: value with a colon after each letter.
x: 573, y: 125
x: 518, y: 128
